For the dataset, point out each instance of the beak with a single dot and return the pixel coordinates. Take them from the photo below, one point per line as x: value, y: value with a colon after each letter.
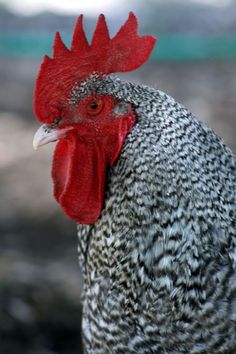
x: 43, y: 136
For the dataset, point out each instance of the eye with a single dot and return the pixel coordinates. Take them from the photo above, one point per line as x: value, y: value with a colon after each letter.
x: 95, y: 106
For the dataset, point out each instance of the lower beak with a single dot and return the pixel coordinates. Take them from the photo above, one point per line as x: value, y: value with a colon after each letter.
x: 43, y: 136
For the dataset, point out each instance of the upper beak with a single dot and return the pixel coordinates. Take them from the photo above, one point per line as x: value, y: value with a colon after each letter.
x: 44, y: 135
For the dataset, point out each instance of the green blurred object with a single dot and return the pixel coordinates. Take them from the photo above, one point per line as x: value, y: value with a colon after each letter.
x: 194, y: 47
x: 169, y: 46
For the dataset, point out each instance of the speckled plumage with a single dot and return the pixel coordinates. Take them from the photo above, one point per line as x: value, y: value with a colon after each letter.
x: 159, y: 264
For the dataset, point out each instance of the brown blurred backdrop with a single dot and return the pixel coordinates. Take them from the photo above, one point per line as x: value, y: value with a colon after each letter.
x: 39, y: 275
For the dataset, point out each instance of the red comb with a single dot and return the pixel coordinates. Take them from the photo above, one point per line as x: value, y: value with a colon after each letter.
x: 126, y: 51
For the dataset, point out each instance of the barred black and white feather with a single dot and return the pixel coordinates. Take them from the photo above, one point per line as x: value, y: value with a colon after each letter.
x: 159, y: 264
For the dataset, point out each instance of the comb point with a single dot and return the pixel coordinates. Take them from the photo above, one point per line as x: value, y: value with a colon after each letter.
x: 101, y: 33
x: 59, y: 48
x: 79, y: 40
x: 47, y: 59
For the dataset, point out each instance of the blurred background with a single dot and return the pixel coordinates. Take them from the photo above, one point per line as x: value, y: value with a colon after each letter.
x: 194, y: 61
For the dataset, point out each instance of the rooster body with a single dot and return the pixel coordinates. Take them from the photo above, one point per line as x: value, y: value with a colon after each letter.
x: 153, y: 192
x: 159, y: 264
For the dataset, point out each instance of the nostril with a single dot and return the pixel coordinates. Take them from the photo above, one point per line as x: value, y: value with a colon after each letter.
x: 55, y: 123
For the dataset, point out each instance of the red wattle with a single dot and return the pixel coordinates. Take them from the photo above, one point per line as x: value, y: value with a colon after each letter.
x: 80, y: 164
x: 78, y: 172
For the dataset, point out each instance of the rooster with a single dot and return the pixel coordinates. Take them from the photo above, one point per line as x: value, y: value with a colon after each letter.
x: 152, y: 190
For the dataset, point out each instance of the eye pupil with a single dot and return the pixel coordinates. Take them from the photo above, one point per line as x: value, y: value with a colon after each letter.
x: 94, y: 105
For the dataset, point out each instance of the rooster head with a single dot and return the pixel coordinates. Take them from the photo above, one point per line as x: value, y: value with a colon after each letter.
x: 90, y: 128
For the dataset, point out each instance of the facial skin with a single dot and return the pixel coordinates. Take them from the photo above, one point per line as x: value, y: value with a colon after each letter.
x: 89, y: 136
